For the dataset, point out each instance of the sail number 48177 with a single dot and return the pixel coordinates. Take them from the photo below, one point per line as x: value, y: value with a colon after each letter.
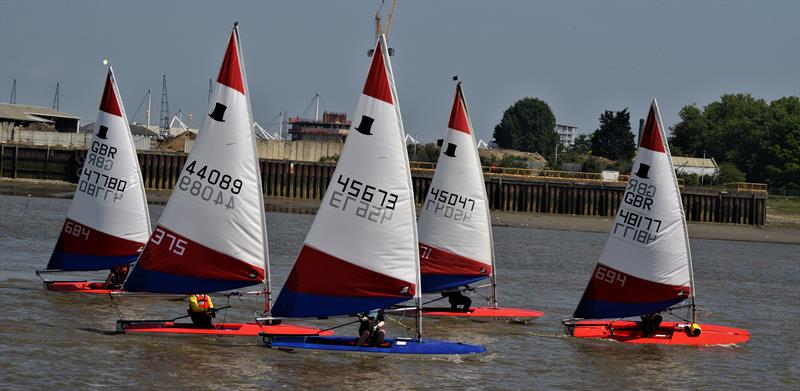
x: 610, y: 276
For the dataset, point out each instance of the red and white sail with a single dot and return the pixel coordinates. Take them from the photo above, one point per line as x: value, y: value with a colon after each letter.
x: 361, y: 251
x: 212, y: 234
x: 108, y: 221
x: 646, y: 264
x: 455, y: 239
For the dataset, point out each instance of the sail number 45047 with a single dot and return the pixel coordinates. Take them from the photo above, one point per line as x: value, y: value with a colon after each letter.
x: 610, y: 276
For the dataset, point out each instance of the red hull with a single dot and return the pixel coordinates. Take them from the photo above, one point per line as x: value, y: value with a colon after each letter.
x: 669, y: 333
x: 220, y: 329
x: 76, y: 287
x: 485, y: 313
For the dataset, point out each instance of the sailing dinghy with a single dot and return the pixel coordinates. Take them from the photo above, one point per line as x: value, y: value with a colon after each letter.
x: 108, y: 221
x: 646, y: 266
x: 212, y: 234
x: 361, y: 252
x: 455, y: 231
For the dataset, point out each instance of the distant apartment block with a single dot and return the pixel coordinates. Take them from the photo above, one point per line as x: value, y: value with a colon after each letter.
x: 567, y: 134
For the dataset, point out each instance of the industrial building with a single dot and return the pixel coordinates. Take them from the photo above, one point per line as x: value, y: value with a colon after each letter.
x: 332, y: 127
x: 37, y: 118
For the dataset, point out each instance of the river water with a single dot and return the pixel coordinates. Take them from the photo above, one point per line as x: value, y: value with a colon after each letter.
x: 63, y: 341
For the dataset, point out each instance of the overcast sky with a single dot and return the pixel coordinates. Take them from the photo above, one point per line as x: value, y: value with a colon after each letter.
x: 581, y: 57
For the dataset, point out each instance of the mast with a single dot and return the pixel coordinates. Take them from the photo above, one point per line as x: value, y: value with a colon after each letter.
x: 149, y: 107
x: 683, y: 212
x: 412, y: 203
x: 460, y: 88
x: 267, y: 270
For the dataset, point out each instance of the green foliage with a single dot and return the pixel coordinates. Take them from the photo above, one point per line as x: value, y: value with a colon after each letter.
x: 690, y: 136
x: 614, y: 139
x: 594, y: 164
x: 505, y: 161
x: 528, y: 125
x: 728, y: 173
x: 329, y: 159
x: 427, y: 153
x: 583, y: 144
x: 762, y: 140
x: 690, y: 179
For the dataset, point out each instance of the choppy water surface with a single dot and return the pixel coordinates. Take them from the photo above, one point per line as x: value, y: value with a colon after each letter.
x: 50, y: 340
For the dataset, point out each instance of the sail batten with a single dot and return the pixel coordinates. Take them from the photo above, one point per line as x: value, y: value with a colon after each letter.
x: 211, y: 235
x: 360, y: 252
x: 454, y: 227
x: 645, y: 265
x: 108, y: 221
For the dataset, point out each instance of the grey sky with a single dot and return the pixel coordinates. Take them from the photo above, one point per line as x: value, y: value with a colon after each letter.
x: 581, y: 57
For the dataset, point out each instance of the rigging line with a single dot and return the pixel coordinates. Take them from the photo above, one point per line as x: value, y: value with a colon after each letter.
x: 434, y: 300
x: 133, y: 117
x: 225, y: 314
x: 401, y: 324
x: 336, y: 327
x: 116, y: 308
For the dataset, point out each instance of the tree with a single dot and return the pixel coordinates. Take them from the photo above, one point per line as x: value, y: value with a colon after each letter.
x: 614, y: 139
x: 781, y: 157
x: 728, y: 173
x: 690, y: 136
x: 583, y: 144
x: 761, y: 140
x: 736, y: 132
x: 528, y: 125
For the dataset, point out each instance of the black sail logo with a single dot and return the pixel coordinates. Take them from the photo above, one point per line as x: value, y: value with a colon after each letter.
x: 365, y: 127
x: 219, y: 112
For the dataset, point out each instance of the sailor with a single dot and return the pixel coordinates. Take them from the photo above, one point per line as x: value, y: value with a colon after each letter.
x: 201, y: 310
x: 371, y: 328
x: 114, y: 280
x: 456, y: 298
x: 650, y: 323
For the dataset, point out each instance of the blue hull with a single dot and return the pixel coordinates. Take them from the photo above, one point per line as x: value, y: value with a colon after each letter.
x: 390, y: 346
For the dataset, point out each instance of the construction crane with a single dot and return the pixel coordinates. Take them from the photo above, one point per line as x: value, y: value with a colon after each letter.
x: 379, y: 29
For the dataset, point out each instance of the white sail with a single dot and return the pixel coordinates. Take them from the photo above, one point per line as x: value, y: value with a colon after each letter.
x: 454, y: 225
x: 211, y: 235
x: 108, y: 221
x: 361, y: 250
x: 645, y: 266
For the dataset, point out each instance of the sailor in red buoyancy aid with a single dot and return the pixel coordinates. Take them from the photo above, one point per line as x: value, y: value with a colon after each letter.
x: 201, y: 310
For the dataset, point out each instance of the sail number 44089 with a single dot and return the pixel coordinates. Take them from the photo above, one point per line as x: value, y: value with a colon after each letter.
x: 209, y: 184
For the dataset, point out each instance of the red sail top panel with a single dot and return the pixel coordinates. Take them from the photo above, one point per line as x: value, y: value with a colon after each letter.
x: 377, y: 85
x: 651, y: 136
x: 230, y: 73
x: 458, y: 115
x: 108, y: 102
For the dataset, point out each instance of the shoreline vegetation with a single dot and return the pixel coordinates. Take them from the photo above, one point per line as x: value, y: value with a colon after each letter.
x: 772, y: 233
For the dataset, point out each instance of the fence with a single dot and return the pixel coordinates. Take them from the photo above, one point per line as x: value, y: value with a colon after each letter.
x: 558, y: 194
x: 57, y: 139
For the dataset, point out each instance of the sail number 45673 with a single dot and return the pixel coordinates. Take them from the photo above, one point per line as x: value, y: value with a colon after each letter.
x: 176, y: 245
x: 610, y: 276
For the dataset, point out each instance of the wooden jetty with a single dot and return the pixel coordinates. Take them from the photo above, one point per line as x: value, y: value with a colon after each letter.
x: 514, y: 190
